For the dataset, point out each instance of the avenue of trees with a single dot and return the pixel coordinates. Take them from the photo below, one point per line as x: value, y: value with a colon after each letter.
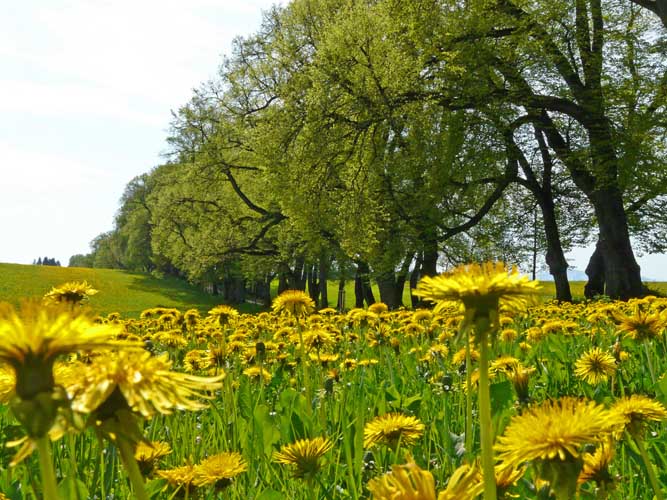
x: 384, y: 139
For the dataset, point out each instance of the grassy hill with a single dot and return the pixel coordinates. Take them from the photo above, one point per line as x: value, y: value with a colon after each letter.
x: 119, y: 291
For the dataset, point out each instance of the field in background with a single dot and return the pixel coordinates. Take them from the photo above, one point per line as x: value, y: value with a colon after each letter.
x: 130, y: 293
x: 119, y: 291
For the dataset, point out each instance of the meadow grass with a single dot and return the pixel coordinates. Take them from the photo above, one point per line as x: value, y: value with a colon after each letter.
x: 120, y: 291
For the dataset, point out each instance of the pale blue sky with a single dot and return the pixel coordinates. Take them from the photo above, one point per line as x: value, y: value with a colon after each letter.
x: 86, y: 90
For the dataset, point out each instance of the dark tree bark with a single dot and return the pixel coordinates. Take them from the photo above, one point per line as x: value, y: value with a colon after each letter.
x: 362, y: 285
x: 391, y: 284
x: 324, y: 277
x: 621, y: 271
x: 595, y: 273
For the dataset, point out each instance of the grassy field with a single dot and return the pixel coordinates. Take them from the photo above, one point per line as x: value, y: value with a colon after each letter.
x: 119, y: 291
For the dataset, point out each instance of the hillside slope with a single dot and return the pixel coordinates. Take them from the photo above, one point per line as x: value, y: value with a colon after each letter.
x: 119, y: 291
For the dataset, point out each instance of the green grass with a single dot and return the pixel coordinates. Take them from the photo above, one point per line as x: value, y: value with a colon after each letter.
x: 119, y: 291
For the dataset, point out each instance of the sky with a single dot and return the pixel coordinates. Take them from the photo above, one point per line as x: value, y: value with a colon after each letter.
x: 86, y: 93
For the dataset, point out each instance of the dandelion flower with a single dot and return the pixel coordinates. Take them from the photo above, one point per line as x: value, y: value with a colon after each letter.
x: 305, y: 455
x: 147, y: 454
x: 464, y: 484
x: 219, y: 469
x: 257, y: 372
x: 294, y: 302
x: 223, y: 314
x: 146, y: 382
x: 404, y: 482
x: 479, y: 287
x: 73, y: 292
x: 392, y: 428
x: 179, y: 477
x: 637, y: 411
x: 596, y: 464
x: 595, y: 366
x: 556, y: 430
x: 640, y: 326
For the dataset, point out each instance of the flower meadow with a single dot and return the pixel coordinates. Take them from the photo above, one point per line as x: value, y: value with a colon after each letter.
x: 489, y: 394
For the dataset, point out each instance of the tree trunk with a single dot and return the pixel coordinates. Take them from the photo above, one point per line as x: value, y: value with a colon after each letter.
x: 621, y: 271
x: 555, y: 256
x: 595, y: 273
x: 324, y: 276
x: 363, y: 283
x: 312, y: 275
x: 414, y: 279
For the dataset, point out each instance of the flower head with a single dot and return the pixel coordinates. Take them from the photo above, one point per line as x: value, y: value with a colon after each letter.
x: 641, y: 325
x: 219, y: 469
x: 556, y: 430
x: 73, y: 292
x: 637, y: 411
x: 404, y: 482
x: 305, y: 455
x: 146, y: 383
x: 479, y: 286
x: 464, y: 484
x: 294, y: 302
x: 223, y: 314
x: 391, y: 428
x: 595, y: 366
x: 147, y: 454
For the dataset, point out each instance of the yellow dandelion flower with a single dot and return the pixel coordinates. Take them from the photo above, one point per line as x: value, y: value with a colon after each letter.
x: 637, y: 410
x: 223, y: 314
x: 480, y: 287
x: 378, y: 308
x: 596, y: 464
x: 556, y: 430
x: 391, y: 429
x: 147, y: 454
x: 219, y: 470
x: 464, y: 484
x: 595, y: 366
x: 317, y: 338
x: 179, y: 477
x: 7, y: 383
x: 293, y: 302
x: 146, y: 383
x: 404, y: 482
x: 256, y: 372
x: 196, y: 360
x: 640, y: 326
x: 304, y: 455
x: 73, y: 293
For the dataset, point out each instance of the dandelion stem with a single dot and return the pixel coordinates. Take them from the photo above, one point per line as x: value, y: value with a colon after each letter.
x: 468, y: 429
x: 649, y: 362
x: 46, y: 468
x: 132, y: 468
x: 486, y: 429
x: 649, y: 469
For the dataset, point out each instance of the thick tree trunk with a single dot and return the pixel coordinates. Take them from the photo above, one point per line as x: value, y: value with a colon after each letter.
x: 426, y: 265
x: 621, y: 271
x: 414, y: 279
x: 387, y: 286
x: 595, y: 273
x: 555, y: 256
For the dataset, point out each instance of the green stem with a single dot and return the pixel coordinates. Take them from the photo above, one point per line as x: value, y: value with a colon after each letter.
x: 46, y: 468
x: 468, y: 429
x: 132, y: 468
x: 649, y: 469
x: 486, y: 429
x: 649, y: 362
